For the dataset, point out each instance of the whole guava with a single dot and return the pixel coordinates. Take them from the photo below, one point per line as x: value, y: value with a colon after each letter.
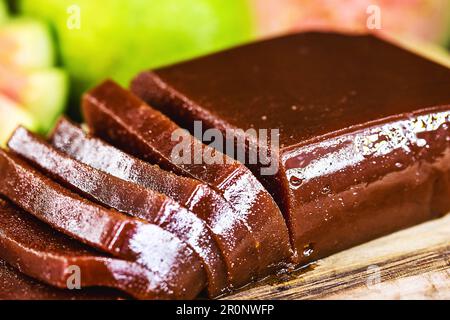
x: 3, y: 12
x: 119, y: 38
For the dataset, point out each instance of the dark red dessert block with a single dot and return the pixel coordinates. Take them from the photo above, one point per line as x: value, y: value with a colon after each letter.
x: 175, y: 269
x: 121, y: 118
x: 42, y: 253
x: 364, y: 129
x: 234, y: 237
x: 125, y: 197
x: 15, y: 285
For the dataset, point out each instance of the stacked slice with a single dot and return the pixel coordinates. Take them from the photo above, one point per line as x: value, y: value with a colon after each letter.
x: 127, y: 224
x: 148, y: 262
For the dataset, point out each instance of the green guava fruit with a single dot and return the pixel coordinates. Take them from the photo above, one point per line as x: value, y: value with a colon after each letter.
x: 26, y: 43
x: 3, y: 12
x: 27, y: 76
x: 116, y: 38
x: 11, y: 116
x: 44, y: 95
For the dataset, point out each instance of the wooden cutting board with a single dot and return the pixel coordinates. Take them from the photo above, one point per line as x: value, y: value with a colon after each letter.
x: 410, y: 264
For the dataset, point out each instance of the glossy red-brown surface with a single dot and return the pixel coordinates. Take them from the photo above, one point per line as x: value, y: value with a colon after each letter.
x: 47, y: 255
x: 306, y: 85
x: 124, y: 120
x: 174, y: 269
x: 233, y: 236
x: 325, y: 93
x: 17, y: 286
x: 126, y: 197
x: 350, y: 188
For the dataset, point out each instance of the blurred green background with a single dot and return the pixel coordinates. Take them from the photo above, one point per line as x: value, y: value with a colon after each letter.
x: 118, y: 38
x: 92, y: 40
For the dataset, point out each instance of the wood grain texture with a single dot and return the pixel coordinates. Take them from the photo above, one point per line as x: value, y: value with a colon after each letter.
x: 410, y: 264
